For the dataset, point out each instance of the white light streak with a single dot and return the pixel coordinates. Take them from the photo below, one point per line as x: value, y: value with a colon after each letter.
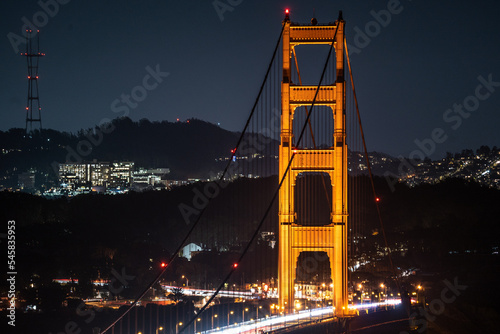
x: 280, y: 321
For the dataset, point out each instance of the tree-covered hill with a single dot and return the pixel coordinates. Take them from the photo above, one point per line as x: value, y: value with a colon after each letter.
x: 189, y: 149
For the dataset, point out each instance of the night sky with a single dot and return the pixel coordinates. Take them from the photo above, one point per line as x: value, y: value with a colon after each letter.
x: 426, y: 59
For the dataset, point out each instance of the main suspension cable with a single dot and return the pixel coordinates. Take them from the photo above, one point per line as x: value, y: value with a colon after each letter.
x: 188, y: 234
x: 235, y: 266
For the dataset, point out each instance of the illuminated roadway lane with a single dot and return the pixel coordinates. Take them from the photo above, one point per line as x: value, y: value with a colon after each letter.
x: 276, y: 322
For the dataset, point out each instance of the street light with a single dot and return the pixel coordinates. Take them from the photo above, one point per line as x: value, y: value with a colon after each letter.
x: 384, y: 293
x: 187, y: 280
x: 228, y: 317
x: 158, y: 329
x: 199, y: 319
x: 177, y: 325
x: 245, y: 309
x: 420, y: 296
x: 214, y: 316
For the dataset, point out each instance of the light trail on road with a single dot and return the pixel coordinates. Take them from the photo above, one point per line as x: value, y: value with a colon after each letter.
x: 281, y: 321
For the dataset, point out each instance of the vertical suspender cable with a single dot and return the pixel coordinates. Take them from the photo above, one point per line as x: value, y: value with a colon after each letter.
x: 370, y: 170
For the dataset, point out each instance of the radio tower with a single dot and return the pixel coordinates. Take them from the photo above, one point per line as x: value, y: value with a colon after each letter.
x: 33, y: 108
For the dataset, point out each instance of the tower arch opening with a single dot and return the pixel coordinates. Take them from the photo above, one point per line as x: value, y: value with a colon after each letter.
x: 313, y: 199
x: 321, y: 123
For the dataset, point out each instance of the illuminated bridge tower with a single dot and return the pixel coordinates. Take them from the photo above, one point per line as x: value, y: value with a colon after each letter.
x: 330, y: 238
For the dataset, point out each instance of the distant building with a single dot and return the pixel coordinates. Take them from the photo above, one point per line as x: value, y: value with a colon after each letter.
x: 269, y: 237
x: 174, y: 183
x: 189, y: 250
x: 150, y: 176
x: 96, y: 174
x: 121, y: 173
x: 26, y: 180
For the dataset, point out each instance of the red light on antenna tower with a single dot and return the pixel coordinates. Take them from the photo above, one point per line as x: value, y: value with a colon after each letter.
x: 235, y: 265
x: 287, y: 11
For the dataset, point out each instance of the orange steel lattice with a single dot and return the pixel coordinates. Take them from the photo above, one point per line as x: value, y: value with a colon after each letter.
x: 331, y: 238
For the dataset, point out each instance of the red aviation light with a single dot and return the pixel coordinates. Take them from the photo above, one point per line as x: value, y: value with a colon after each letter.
x: 377, y: 199
x: 287, y: 11
x: 163, y: 264
x: 235, y: 265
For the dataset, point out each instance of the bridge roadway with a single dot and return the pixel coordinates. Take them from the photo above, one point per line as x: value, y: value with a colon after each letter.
x: 223, y: 293
x: 304, y: 317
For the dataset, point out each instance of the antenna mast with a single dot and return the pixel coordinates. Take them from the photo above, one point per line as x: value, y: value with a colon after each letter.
x: 33, y: 108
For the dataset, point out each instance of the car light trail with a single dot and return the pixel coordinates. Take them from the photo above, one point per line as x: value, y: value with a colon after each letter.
x: 280, y: 321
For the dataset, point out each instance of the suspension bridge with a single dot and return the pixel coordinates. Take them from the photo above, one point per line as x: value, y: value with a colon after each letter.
x: 278, y: 231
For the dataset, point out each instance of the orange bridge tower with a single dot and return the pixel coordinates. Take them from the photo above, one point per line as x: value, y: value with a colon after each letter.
x: 332, y: 161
